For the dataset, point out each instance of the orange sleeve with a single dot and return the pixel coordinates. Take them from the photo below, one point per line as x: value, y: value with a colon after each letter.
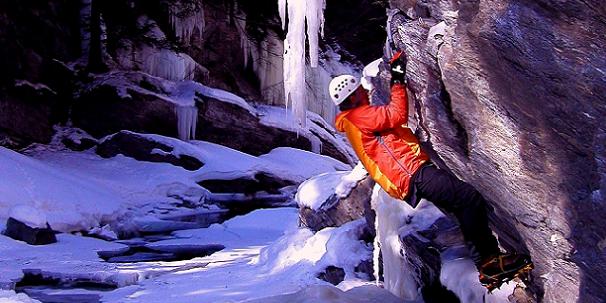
x: 378, y: 118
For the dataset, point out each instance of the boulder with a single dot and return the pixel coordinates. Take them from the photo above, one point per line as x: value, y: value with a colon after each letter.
x: 144, y: 148
x: 337, y: 211
x: 30, y: 235
x: 509, y: 96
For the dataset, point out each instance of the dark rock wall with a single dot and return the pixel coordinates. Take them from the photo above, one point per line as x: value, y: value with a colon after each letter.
x: 32, y: 35
x: 512, y: 101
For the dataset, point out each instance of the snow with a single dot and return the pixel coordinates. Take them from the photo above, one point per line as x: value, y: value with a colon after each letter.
x: 303, y: 163
x: 260, y: 260
x: 315, y: 191
x: 330, y: 294
x: 114, y: 188
x: 348, y: 182
x: 187, y: 18
x: 72, y: 257
x: 31, y: 216
x: 461, y: 277
x: 301, y: 15
x: 315, y: 129
x: 9, y: 296
x: 51, y: 191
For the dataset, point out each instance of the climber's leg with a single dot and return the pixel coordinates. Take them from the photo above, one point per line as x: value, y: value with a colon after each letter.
x: 461, y: 199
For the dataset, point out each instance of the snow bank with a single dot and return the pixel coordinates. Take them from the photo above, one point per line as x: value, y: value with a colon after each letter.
x: 266, y: 255
x: 68, y: 202
x: 9, y: 296
x: 302, y: 250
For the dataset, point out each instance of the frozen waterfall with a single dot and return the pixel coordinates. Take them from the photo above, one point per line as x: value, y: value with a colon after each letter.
x: 302, y: 15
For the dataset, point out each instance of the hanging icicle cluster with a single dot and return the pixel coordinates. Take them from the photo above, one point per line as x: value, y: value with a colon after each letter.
x: 187, y: 18
x: 300, y: 13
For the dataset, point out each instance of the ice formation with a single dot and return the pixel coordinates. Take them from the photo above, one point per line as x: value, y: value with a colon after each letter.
x: 302, y: 15
x: 168, y: 64
x: 187, y: 117
x: 186, y: 19
x: 391, y: 215
x: 265, y: 58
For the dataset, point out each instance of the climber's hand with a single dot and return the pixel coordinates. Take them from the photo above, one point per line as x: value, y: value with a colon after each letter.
x: 397, y: 69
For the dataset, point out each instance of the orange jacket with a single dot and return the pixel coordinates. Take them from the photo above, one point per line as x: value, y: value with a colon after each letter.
x: 386, y: 146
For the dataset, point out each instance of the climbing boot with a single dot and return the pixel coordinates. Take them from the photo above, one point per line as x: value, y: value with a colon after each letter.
x: 501, y: 268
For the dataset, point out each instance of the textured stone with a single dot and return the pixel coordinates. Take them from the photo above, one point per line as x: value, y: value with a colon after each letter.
x: 512, y: 103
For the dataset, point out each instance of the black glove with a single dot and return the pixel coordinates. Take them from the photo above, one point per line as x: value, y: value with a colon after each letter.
x: 397, y: 68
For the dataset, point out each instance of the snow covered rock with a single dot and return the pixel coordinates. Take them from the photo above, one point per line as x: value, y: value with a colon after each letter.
x: 31, y: 235
x: 322, y: 206
x: 28, y: 224
x: 145, y: 148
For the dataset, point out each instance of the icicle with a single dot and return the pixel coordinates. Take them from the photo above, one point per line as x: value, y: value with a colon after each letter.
x: 300, y: 11
x: 185, y: 18
x: 187, y: 119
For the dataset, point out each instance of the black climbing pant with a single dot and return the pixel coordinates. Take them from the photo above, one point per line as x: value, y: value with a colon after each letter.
x: 461, y: 199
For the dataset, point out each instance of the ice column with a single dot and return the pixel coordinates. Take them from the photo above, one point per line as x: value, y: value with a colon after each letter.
x: 187, y: 118
x: 300, y: 13
x: 391, y: 215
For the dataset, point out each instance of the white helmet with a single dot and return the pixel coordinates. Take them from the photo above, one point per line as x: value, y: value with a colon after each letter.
x: 341, y: 87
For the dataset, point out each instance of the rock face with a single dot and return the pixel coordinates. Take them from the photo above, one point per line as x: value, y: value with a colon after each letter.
x: 30, y: 235
x: 509, y: 94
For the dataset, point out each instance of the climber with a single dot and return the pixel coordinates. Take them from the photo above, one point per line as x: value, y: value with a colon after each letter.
x: 393, y: 157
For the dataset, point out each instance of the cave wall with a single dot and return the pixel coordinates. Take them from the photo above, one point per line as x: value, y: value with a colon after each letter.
x: 510, y: 95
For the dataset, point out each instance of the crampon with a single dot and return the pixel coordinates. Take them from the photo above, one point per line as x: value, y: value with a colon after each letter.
x: 503, y: 268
